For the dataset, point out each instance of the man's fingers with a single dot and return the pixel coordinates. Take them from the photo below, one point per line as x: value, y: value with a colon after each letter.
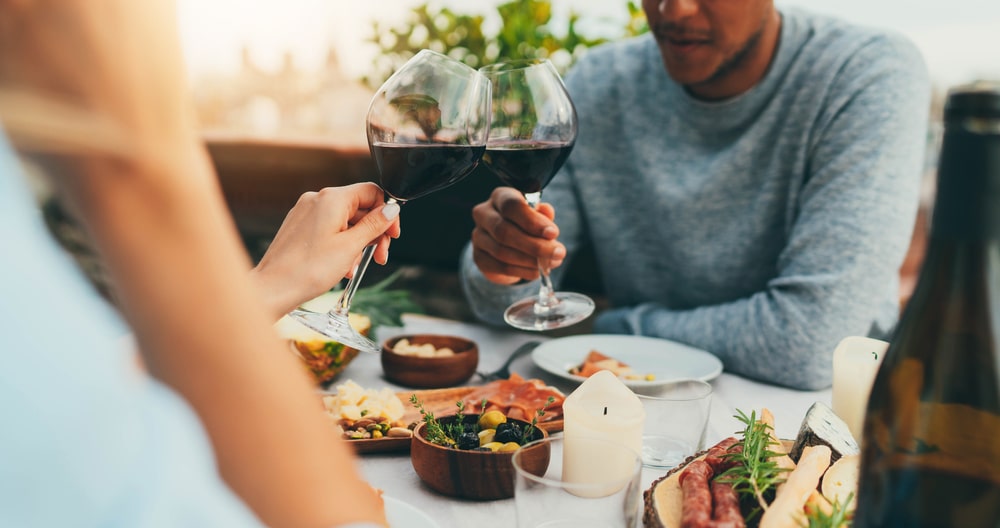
x: 500, y: 272
x: 500, y: 252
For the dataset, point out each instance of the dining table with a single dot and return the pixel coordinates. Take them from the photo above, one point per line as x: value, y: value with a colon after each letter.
x: 394, y: 475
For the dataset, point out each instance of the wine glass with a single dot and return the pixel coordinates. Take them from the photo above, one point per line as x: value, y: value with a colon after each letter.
x: 427, y: 129
x: 531, y: 135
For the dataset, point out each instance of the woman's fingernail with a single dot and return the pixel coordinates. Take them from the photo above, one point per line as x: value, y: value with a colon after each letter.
x: 550, y: 232
x: 390, y: 211
x: 559, y: 253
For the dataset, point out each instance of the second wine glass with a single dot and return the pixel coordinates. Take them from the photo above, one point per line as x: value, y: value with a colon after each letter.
x: 427, y: 128
x: 531, y: 134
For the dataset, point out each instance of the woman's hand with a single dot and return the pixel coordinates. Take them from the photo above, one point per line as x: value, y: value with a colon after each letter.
x: 320, y: 241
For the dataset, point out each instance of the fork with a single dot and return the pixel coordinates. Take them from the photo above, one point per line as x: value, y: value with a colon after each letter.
x: 504, y: 371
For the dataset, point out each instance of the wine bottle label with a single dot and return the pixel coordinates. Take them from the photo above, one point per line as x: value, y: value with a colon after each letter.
x: 946, y: 437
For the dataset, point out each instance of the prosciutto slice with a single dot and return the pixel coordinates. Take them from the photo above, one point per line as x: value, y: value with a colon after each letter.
x: 518, y: 398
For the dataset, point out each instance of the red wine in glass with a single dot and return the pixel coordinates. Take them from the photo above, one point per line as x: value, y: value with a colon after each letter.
x: 531, y: 136
x: 411, y: 171
x: 526, y: 165
x: 427, y: 128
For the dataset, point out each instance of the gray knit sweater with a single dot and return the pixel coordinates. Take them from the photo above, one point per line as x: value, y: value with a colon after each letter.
x: 763, y: 228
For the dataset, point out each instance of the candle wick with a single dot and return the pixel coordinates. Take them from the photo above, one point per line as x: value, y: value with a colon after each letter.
x: 875, y: 354
x: 605, y: 411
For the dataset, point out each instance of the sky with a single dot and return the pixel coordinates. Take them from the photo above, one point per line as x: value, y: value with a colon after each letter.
x: 960, y: 39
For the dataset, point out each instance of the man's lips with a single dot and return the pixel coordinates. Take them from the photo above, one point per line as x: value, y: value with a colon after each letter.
x: 682, y: 44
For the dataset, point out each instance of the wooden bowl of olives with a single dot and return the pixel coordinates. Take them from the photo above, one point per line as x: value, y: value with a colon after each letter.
x: 469, y: 456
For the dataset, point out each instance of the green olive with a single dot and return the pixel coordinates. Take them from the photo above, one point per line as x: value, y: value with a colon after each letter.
x: 486, y: 436
x: 490, y: 419
x: 493, y: 446
x: 509, y: 446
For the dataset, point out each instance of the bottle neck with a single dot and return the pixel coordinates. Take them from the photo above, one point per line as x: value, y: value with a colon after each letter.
x: 967, y: 207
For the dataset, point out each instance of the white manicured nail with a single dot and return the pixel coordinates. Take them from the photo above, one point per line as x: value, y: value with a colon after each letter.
x: 390, y: 211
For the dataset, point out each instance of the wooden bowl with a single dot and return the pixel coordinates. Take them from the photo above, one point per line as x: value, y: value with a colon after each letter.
x: 431, y: 372
x: 476, y: 475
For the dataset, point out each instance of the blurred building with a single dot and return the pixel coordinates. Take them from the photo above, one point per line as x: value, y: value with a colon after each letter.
x: 288, y: 103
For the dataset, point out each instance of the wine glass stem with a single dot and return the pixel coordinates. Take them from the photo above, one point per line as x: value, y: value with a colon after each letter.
x: 344, y: 302
x: 546, y: 292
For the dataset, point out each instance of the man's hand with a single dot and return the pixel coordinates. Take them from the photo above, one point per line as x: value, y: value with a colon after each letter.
x: 511, y: 239
x: 320, y: 241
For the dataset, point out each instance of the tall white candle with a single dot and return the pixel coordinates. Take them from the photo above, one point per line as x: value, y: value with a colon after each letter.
x: 855, y: 363
x: 602, y: 407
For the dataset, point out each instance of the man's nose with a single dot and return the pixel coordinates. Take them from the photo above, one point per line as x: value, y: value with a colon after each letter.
x: 678, y: 9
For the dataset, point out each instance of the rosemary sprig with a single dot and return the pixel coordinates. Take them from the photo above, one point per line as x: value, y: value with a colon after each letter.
x: 753, y: 473
x: 457, y: 426
x: 837, y: 518
x: 435, y: 433
x: 529, y: 429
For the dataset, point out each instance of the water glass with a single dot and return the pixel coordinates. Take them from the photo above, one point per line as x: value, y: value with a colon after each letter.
x: 676, y: 422
x: 549, y: 500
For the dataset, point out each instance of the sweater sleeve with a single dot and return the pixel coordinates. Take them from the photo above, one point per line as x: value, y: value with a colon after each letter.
x: 847, y: 242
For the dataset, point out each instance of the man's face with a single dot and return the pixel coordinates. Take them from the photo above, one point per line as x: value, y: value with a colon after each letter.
x: 703, y: 41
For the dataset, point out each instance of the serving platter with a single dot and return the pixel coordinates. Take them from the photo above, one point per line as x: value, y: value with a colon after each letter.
x: 441, y: 402
x: 668, y: 361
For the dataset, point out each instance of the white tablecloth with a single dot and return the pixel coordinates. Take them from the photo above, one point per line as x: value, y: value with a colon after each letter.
x: 394, y: 474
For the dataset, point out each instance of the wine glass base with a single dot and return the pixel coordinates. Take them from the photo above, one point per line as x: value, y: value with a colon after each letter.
x: 337, y: 328
x: 527, y: 314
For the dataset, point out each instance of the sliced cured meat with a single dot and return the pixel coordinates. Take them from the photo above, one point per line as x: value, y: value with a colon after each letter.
x: 696, y: 509
x: 518, y: 398
x: 725, y: 506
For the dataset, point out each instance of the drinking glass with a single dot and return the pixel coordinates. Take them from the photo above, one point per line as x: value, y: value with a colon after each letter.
x: 676, y: 422
x: 531, y: 135
x: 427, y: 129
x: 605, y: 496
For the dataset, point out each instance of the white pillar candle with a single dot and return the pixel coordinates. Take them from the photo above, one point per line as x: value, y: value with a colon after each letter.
x: 855, y: 363
x: 602, y: 407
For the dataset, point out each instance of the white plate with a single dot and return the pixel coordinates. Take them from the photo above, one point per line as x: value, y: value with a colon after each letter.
x: 667, y: 360
x: 402, y: 515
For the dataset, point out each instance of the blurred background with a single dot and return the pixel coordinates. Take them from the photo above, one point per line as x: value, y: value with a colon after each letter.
x: 282, y: 87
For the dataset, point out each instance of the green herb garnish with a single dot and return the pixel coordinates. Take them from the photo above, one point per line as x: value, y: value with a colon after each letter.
x: 529, y: 431
x: 754, y: 472
x: 434, y: 432
x: 837, y: 518
x: 382, y: 305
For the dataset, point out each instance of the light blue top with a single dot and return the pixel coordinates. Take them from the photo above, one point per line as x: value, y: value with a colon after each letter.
x: 763, y: 228
x: 86, y: 439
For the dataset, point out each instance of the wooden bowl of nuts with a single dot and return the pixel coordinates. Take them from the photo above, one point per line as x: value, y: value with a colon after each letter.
x: 476, y: 462
x: 429, y: 361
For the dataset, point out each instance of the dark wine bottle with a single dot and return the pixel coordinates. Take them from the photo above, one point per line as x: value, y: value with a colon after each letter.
x: 931, y: 440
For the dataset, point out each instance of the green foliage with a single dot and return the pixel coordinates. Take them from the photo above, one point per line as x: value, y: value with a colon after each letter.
x: 525, y: 33
x: 839, y: 517
x: 755, y: 472
x: 382, y: 305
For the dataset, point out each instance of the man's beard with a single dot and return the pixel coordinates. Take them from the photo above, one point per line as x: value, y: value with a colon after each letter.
x: 734, y: 61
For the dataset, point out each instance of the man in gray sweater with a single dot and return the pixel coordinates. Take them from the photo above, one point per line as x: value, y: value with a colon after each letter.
x: 747, y: 178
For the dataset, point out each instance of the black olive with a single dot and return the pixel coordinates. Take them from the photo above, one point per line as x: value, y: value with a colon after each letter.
x: 511, y: 433
x: 468, y: 440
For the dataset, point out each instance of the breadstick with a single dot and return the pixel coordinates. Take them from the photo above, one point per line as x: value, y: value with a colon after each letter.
x: 786, y: 510
x: 782, y: 459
